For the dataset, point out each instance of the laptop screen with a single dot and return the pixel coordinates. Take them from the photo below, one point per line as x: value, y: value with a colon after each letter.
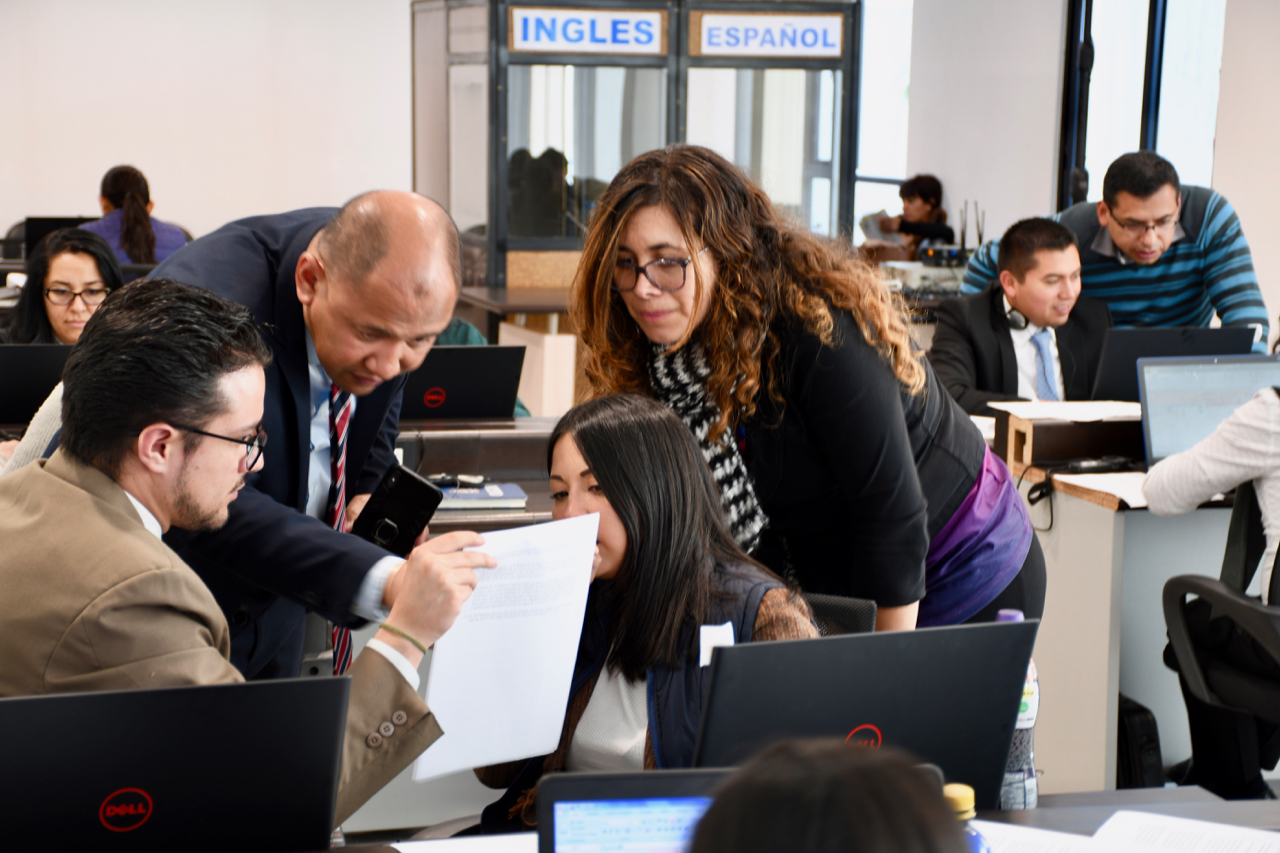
x: 653, y: 825
x: 1184, y: 400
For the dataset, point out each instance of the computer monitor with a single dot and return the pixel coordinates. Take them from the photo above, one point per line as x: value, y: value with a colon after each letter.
x: 37, y: 228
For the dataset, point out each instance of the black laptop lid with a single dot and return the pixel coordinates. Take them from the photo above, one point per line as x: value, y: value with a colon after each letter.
x: 245, y: 767
x: 1117, y: 377
x: 650, y: 812
x: 28, y: 372
x: 948, y: 695
x: 464, y: 382
x: 36, y: 228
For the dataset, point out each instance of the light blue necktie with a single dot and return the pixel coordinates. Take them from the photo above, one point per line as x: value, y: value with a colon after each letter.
x: 1046, y: 384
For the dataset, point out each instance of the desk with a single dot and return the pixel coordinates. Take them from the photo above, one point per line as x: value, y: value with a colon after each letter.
x: 1084, y: 813
x: 498, y: 302
x: 1103, y: 630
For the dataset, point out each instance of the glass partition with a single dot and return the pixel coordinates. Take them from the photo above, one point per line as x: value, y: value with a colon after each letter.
x: 570, y: 128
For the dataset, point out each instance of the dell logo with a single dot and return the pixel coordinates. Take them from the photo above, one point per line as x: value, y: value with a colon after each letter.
x: 125, y: 810
x: 866, y: 736
x: 434, y: 397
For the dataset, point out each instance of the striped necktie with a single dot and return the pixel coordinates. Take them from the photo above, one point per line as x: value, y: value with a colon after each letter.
x: 339, y: 419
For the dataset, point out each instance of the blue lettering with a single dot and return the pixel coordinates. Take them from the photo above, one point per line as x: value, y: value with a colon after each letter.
x: 524, y: 29
x: 748, y: 33
x: 788, y: 36
x: 593, y: 38
x: 618, y: 32
x: 574, y: 35
x: 644, y: 32
x: 541, y: 27
x: 713, y: 36
x: 809, y: 38
x: 767, y: 40
x: 733, y: 40
x: 826, y: 43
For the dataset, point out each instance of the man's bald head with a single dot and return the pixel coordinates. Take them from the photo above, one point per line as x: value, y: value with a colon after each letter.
x: 403, y: 229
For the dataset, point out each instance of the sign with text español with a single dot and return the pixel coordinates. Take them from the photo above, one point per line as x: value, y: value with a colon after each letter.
x: 547, y: 30
x: 766, y: 34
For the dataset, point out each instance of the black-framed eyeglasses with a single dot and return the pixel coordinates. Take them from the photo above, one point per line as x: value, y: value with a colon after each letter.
x: 62, y: 296
x: 664, y: 273
x: 252, y: 446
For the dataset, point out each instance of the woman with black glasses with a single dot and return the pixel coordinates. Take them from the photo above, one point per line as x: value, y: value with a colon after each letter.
x: 68, y: 275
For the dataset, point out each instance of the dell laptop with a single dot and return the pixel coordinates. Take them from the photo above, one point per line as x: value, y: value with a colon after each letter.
x: 1184, y: 399
x: 1117, y: 377
x: 650, y: 812
x: 28, y: 373
x: 244, y: 767
x: 464, y: 382
x: 950, y: 696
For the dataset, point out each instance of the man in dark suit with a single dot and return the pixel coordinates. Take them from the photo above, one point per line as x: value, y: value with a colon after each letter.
x: 1029, y: 335
x: 354, y: 299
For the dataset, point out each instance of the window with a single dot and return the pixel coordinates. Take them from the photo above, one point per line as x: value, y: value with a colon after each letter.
x: 1114, y: 127
x: 882, y: 107
x: 1188, y: 113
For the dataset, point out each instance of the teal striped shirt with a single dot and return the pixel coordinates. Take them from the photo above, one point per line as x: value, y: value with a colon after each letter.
x: 1208, y: 269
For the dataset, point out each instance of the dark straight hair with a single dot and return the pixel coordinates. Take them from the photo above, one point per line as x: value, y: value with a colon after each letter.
x: 127, y: 191
x: 155, y: 351
x: 824, y: 796
x: 1141, y: 174
x: 649, y: 467
x: 1024, y: 238
x: 30, y: 321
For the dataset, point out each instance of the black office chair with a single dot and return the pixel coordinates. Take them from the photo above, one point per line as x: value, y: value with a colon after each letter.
x: 14, y: 241
x: 837, y: 614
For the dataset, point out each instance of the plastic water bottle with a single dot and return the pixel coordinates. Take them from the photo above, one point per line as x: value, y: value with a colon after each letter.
x: 1020, y: 789
x: 960, y: 799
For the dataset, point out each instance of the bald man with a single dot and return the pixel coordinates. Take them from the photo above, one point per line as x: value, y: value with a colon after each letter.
x: 352, y: 298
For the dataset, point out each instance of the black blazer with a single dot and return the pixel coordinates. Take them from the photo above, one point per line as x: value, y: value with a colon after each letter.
x: 973, y: 349
x: 271, y: 562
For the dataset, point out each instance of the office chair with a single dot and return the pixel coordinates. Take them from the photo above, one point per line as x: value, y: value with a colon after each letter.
x: 15, y: 242
x: 837, y: 614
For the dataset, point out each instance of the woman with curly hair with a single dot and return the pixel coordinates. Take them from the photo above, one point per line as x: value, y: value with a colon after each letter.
x: 841, y: 461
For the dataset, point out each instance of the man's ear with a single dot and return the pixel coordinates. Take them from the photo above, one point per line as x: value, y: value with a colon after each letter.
x: 1103, y: 214
x: 1009, y: 284
x: 157, y: 448
x: 308, y: 277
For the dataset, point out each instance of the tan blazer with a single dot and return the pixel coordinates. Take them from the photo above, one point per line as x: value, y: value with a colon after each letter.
x: 93, y: 601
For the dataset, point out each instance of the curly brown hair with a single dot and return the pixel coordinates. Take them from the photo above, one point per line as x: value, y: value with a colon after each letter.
x: 767, y: 269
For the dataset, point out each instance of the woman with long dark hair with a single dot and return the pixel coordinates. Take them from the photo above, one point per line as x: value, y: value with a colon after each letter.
x: 665, y: 566
x: 126, y: 221
x: 842, y: 461
x: 69, y: 273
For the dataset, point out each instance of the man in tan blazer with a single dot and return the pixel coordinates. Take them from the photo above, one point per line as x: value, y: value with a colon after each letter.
x: 162, y: 410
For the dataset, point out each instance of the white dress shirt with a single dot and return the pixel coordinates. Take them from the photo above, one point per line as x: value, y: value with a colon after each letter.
x: 1025, y: 352
x: 399, y: 661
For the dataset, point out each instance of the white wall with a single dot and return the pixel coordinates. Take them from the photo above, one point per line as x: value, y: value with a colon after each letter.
x: 1245, y: 169
x: 232, y: 108
x: 985, y: 105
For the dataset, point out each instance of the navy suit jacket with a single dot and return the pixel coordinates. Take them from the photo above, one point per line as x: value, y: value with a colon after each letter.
x: 271, y: 562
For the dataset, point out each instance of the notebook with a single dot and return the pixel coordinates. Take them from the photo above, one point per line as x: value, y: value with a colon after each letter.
x: 28, y: 372
x: 464, y: 382
x: 1117, y: 377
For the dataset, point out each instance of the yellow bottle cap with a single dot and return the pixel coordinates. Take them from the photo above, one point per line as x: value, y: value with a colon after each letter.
x: 960, y: 798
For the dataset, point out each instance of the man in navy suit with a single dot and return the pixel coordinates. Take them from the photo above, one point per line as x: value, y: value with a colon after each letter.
x: 353, y: 297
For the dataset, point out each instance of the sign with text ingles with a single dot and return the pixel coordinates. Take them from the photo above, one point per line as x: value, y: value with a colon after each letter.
x: 654, y: 811
x: 464, y: 382
x: 950, y: 696
x: 28, y: 372
x: 766, y: 34
x: 577, y: 30
x: 1117, y: 377
x: 245, y: 767
x: 1184, y: 399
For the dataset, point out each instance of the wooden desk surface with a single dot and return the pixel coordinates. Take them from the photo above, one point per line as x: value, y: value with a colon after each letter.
x: 503, y: 300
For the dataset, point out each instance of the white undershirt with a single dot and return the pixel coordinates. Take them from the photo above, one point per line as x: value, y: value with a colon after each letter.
x: 614, y: 725
x: 1026, y: 354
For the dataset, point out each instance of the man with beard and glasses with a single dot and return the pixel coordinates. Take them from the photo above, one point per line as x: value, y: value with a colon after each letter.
x: 162, y: 414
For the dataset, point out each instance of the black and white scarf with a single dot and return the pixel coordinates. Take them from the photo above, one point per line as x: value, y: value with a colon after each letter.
x: 680, y: 381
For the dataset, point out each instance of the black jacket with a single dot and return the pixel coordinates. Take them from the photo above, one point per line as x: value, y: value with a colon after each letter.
x: 973, y: 349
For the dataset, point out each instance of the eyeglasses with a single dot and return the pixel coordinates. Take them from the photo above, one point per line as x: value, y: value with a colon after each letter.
x: 252, y: 446
x: 1138, y: 229
x: 59, y: 296
x: 666, y: 274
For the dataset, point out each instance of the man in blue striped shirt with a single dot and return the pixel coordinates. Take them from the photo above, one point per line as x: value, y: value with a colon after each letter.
x: 1159, y: 254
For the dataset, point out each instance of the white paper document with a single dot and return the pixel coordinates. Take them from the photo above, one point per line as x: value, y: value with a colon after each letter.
x: 1140, y: 832
x: 515, y: 842
x: 1078, y: 411
x: 500, y: 677
x: 1126, y: 485
x: 986, y: 426
x: 1009, y: 838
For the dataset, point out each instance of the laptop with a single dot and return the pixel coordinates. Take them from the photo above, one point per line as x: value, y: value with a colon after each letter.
x: 1117, y: 377
x: 1184, y: 399
x: 650, y: 812
x: 28, y: 373
x: 950, y: 696
x: 36, y: 228
x: 464, y: 382
x: 244, y: 767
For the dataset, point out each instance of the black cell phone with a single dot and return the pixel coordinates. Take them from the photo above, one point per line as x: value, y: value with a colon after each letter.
x: 398, y: 510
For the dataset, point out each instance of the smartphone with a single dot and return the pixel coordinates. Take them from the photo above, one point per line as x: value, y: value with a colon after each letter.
x: 398, y: 510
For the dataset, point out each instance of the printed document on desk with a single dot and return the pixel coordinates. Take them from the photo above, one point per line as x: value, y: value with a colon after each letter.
x: 500, y: 677
x: 1077, y: 411
x: 1011, y: 838
x: 1140, y: 832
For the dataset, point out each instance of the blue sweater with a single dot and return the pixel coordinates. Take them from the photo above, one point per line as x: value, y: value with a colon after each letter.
x: 1208, y: 269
